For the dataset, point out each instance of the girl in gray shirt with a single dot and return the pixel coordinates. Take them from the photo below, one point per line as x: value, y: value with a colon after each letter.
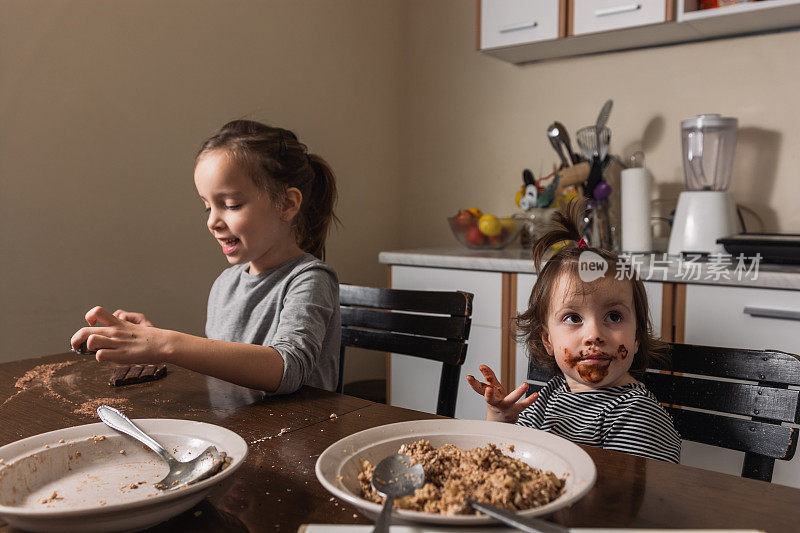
x: 273, y: 318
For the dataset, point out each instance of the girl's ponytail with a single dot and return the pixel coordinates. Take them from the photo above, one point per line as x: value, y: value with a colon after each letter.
x: 565, y: 226
x: 316, y: 213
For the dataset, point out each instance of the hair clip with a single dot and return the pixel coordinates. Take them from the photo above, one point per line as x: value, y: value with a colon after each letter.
x: 282, y: 147
x: 582, y: 243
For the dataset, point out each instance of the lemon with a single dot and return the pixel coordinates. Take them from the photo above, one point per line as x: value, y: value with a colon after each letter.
x: 477, y: 213
x: 490, y: 226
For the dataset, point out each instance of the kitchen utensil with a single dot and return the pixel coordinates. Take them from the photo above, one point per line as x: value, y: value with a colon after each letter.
x: 531, y: 525
x: 553, y: 134
x: 180, y: 472
x: 601, y: 191
x: 563, y: 136
x: 705, y: 212
x: 588, y: 142
x: 394, y: 477
x: 574, y: 175
x: 595, y: 177
x: 602, y: 119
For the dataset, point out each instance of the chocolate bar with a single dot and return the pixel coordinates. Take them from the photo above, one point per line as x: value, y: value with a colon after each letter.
x: 130, y: 374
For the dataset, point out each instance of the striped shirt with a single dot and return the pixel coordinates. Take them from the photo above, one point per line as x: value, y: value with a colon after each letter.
x: 625, y: 418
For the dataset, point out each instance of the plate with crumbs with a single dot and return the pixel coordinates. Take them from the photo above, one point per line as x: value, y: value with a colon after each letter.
x: 91, y: 478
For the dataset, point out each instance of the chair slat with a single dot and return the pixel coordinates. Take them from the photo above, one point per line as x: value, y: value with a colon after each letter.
x: 536, y: 373
x: 771, y: 440
x: 735, y: 398
x: 438, y: 302
x: 446, y: 351
x: 435, y: 326
x: 756, y: 365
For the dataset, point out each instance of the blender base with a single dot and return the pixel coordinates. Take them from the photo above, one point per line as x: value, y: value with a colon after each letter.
x: 701, y: 218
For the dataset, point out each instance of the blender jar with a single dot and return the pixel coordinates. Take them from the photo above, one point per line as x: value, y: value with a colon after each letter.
x: 709, y: 142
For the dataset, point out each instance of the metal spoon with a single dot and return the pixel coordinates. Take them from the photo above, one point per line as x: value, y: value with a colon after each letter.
x: 531, y: 525
x: 553, y: 134
x: 180, y: 472
x: 395, y: 477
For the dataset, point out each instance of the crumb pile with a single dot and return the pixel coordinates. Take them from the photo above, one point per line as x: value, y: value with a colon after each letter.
x: 483, y: 474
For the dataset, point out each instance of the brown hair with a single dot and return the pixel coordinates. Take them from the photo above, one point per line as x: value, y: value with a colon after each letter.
x: 532, y: 324
x: 276, y: 161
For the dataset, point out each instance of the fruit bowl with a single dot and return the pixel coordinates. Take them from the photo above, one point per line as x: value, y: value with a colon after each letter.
x: 485, y: 233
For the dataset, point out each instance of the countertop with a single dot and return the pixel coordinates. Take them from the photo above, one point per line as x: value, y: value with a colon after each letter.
x: 651, y: 267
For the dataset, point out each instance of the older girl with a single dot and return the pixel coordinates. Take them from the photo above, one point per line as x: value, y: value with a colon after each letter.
x: 273, y: 319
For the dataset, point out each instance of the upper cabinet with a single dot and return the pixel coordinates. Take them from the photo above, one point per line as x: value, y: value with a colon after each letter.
x: 510, y: 22
x: 521, y: 31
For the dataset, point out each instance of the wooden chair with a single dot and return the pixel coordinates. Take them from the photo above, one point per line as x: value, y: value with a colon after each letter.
x: 746, y: 416
x: 392, y: 320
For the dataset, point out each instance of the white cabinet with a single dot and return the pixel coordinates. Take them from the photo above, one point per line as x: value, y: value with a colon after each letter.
x: 589, y: 16
x: 415, y: 381
x: 510, y: 22
x: 593, y: 26
x: 721, y: 316
x: 718, y: 316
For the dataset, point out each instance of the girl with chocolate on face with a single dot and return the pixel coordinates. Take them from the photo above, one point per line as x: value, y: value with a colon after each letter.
x: 595, y: 332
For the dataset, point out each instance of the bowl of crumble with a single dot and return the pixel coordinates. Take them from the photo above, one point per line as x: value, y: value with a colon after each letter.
x: 531, y: 472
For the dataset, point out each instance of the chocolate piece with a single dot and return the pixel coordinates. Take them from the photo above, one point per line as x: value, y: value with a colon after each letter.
x: 83, y: 350
x: 130, y: 374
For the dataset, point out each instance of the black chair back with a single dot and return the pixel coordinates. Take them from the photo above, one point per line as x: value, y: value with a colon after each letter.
x: 432, y: 325
x: 728, y: 397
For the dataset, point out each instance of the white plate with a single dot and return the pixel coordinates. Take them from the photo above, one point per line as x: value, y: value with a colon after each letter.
x: 93, y: 480
x: 338, y: 466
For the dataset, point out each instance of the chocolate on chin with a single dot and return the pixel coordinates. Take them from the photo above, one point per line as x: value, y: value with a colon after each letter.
x: 130, y: 374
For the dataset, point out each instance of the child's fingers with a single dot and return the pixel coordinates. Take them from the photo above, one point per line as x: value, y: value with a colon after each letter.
x: 84, y: 334
x: 477, y: 386
x: 491, y: 379
x: 98, y: 314
x: 516, y: 394
x: 527, y: 402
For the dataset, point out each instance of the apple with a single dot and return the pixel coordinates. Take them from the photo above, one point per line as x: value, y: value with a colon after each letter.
x: 475, y: 237
x: 498, y: 239
x: 464, y: 220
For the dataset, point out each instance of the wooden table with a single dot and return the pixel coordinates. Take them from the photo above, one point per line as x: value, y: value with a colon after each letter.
x: 276, y: 489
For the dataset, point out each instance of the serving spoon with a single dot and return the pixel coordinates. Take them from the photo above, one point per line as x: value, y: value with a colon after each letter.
x: 395, y: 477
x: 180, y: 472
x: 531, y: 525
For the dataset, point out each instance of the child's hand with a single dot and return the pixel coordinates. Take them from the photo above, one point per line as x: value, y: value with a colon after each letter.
x: 500, y: 407
x: 119, y: 340
x: 134, y: 318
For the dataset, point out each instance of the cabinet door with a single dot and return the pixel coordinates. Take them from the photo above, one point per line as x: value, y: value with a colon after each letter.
x: 525, y: 284
x: 717, y: 316
x: 590, y: 16
x: 509, y: 22
x: 415, y: 381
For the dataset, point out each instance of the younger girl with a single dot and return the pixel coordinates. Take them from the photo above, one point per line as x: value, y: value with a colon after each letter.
x: 596, y: 334
x: 273, y: 318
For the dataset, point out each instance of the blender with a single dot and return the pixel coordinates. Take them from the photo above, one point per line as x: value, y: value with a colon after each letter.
x: 705, y: 212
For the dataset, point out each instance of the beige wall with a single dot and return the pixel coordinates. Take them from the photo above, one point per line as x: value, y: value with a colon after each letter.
x: 473, y: 122
x: 103, y: 105
x: 102, y: 108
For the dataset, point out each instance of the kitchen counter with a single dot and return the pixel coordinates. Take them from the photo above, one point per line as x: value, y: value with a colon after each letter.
x: 653, y: 267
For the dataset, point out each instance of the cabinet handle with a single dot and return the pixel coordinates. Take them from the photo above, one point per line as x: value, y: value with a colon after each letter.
x: 519, y: 26
x: 617, y: 10
x: 772, y: 313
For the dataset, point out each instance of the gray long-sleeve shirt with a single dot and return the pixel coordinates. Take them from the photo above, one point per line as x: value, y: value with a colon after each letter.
x: 293, y: 308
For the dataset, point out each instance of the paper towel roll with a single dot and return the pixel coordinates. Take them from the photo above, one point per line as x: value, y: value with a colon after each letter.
x: 637, y: 236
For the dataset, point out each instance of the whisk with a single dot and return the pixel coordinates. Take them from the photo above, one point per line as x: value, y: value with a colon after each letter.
x: 588, y: 142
